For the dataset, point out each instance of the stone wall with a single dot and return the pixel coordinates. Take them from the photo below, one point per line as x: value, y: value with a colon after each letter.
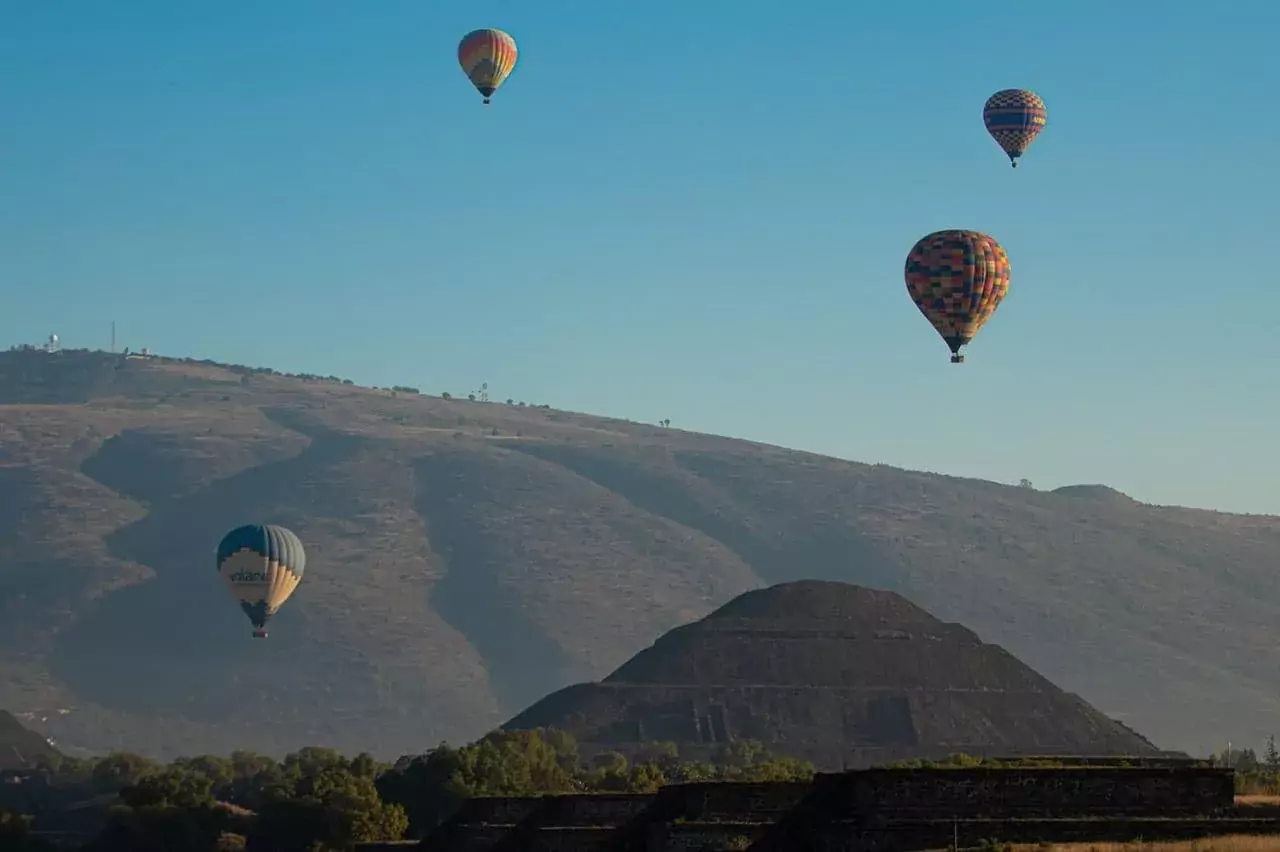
x: 465, y: 838
x: 608, y: 809
x: 497, y: 810
x: 1057, y: 792
x: 481, y: 823
x: 762, y: 802
x: 697, y: 837
x: 887, y: 808
x: 939, y: 834
x: 577, y: 839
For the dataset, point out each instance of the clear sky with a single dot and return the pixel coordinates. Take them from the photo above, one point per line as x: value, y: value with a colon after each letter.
x: 685, y: 209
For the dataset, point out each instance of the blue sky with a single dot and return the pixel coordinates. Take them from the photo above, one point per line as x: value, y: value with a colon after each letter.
x: 686, y: 210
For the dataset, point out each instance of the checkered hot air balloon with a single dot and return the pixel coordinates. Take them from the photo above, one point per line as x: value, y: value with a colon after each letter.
x: 957, y: 279
x: 487, y: 57
x: 261, y: 565
x: 1014, y: 118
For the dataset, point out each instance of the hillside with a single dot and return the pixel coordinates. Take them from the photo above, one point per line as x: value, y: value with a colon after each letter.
x: 832, y: 673
x: 21, y: 747
x: 466, y: 558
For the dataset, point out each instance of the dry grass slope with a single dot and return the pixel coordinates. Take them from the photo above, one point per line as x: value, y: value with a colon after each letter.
x: 470, y: 557
x: 1228, y: 843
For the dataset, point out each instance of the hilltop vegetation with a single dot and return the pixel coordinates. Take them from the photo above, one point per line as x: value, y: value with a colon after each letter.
x: 466, y: 558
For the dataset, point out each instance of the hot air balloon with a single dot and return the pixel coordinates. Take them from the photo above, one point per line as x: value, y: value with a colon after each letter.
x: 957, y: 279
x: 1014, y: 118
x: 487, y: 57
x: 261, y: 565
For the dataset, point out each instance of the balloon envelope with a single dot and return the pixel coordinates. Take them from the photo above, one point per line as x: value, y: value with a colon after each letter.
x: 957, y: 279
x: 1014, y: 118
x: 261, y: 565
x: 487, y: 57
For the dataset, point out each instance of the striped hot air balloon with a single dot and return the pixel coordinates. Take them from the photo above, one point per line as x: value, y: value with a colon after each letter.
x: 261, y: 565
x: 1014, y: 118
x: 957, y: 279
x: 487, y: 57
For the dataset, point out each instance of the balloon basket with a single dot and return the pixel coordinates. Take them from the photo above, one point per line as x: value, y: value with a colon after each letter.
x: 957, y: 359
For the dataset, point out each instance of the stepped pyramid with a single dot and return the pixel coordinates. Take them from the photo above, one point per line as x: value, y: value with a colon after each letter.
x: 834, y: 673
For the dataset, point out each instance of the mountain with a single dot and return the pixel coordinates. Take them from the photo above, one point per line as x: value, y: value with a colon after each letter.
x: 21, y: 747
x: 467, y: 558
x: 836, y: 674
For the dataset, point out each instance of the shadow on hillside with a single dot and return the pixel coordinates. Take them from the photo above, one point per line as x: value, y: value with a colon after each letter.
x: 180, y: 637
x: 144, y: 464
x: 520, y: 659
x: 34, y: 578
x: 18, y: 487
x: 53, y: 588
x: 706, y: 503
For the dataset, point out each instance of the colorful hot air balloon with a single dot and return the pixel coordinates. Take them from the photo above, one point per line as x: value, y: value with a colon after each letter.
x: 1014, y: 118
x: 957, y: 279
x: 487, y: 57
x: 261, y: 565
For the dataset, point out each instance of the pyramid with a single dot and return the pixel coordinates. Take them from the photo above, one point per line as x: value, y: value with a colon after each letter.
x: 838, y: 674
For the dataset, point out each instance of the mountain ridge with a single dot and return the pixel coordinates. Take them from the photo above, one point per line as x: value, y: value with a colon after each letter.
x: 470, y: 557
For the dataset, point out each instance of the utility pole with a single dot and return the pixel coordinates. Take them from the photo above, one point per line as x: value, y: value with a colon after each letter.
x: 113, y: 337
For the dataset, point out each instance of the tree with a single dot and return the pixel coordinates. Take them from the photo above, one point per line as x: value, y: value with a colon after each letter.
x: 254, y: 777
x: 330, y: 808
x: 307, y: 764
x: 316, y: 799
x: 446, y: 395
x: 219, y: 770
x: 645, y: 778
x: 287, y: 825
x: 1025, y: 483
x: 120, y: 769
x: 429, y: 787
x: 174, y: 787
x: 160, y: 829
x: 1271, y: 757
x: 15, y: 834
x: 508, y: 763
x: 1241, y: 760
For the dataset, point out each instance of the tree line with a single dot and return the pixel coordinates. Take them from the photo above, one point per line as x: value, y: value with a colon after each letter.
x: 1255, y: 775
x: 317, y: 800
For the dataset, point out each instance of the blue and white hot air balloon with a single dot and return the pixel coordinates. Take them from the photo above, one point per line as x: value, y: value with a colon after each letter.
x: 261, y: 565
